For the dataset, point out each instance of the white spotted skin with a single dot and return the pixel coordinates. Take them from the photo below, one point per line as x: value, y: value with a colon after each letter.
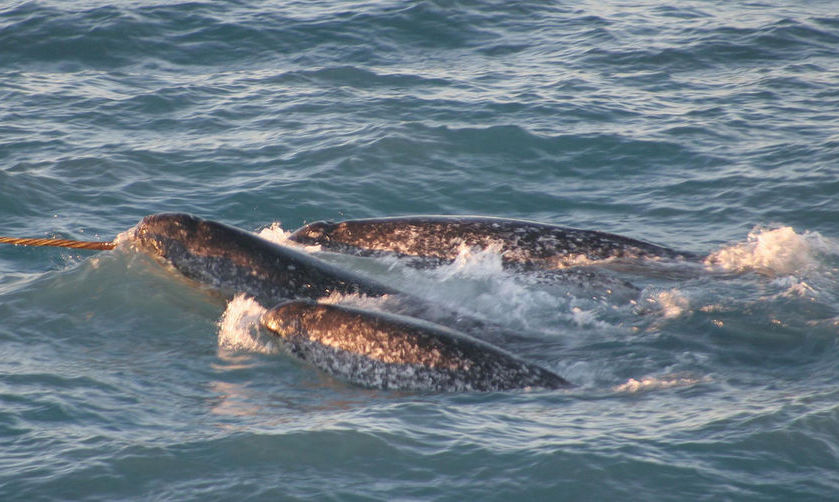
x: 441, y: 238
x: 229, y: 259
x: 384, y: 351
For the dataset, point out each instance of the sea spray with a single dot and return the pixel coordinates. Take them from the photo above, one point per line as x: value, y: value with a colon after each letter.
x: 238, y: 328
x: 278, y: 235
x: 774, y: 251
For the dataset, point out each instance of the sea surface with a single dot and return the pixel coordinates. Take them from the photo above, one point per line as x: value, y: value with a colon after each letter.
x: 705, y: 126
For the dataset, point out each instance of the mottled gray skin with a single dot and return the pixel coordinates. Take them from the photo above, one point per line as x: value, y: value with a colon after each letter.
x: 400, y: 353
x: 228, y: 258
x: 391, y: 352
x: 521, y: 243
x: 231, y: 260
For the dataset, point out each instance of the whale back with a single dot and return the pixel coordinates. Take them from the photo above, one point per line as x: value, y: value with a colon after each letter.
x: 385, y: 351
x: 519, y: 242
x: 228, y: 258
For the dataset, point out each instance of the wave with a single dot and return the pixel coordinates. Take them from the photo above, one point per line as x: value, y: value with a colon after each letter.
x: 652, y: 383
x: 238, y: 328
x: 198, y: 33
x: 775, y: 251
x: 695, y: 47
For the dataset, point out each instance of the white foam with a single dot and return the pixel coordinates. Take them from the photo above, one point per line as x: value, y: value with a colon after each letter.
x: 125, y: 238
x: 668, y: 304
x: 583, y: 318
x: 795, y: 287
x: 650, y: 383
x: 774, y: 251
x: 475, y: 284
x: 673, y: 303
x: 239, y: 327
x: 276, y: 234
x: 355, y: 300
x: 478, y: 284
x: 473, y: 263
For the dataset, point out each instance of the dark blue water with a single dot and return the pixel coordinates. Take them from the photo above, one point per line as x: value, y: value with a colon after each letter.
x: 704, y: 126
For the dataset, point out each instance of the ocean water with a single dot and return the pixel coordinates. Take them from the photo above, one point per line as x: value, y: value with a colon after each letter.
x: 706, y: 126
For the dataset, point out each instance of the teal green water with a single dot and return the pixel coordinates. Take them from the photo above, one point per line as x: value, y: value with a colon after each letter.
x: 704, y: 126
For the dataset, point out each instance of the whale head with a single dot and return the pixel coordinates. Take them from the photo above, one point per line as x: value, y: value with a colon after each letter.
x: 234, y: 260
x: 154, y: 231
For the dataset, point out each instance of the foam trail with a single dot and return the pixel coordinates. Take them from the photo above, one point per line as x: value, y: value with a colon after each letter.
x: 774, y: 251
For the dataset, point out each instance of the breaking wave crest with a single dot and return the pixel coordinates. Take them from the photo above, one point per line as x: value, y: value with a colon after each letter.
x: 238, y: 328
x: 774, y: 251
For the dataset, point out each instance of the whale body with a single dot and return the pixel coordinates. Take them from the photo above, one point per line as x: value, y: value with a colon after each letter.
x: 441, y: 238
x: 368, y: 348
x: 230, y: 259
x: 384, y: 351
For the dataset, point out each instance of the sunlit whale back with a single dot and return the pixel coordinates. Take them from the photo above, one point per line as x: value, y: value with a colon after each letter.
x: 231, y: 260
x: 384, y: 351
x: 228, y: 258
x: 519, y: 242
